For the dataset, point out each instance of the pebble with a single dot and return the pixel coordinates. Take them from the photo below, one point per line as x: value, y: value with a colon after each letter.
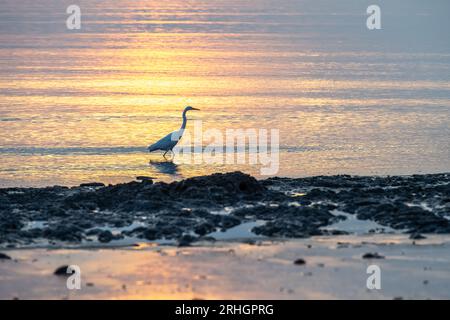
x: 299, y: 262
x: 373, y: 255
x: 61, y: 271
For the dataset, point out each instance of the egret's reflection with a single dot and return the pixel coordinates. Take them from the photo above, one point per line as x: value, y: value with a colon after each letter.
x: 165, y: 167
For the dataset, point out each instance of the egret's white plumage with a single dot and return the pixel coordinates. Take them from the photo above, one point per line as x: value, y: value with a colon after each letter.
x: 170, y: 141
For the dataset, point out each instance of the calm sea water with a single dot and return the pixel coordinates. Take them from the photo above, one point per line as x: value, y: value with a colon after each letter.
x: 82, y: 105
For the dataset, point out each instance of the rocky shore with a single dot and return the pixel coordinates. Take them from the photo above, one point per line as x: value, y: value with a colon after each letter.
x: 190, y: 210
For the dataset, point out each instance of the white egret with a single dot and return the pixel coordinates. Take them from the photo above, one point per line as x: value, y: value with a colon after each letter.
x: 170, y: 141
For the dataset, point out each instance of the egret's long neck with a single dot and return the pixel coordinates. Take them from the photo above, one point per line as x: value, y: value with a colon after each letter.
x: 183, y: 125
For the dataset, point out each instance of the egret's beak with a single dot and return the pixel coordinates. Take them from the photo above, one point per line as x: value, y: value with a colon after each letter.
x: 195, y: 109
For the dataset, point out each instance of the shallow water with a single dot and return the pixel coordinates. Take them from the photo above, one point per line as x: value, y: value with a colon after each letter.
x: 78, y: 106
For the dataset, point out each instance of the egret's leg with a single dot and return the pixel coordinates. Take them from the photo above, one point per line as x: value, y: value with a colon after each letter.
x: 164, y: 155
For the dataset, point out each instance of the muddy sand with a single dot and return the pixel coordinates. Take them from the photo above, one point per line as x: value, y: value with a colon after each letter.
x: 230, y: 236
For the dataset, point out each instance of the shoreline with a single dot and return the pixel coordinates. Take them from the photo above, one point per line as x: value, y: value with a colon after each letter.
x: 229, y: 236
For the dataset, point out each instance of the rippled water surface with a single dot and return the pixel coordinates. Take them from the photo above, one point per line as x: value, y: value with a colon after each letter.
x: 82, y: 105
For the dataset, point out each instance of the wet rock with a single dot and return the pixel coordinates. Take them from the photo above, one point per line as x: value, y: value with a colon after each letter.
x: 290, y: 221
x: 169, y: 231
x: 94, y: 232
x: 105, y: 236
x: 204, y: 228
x: 11, y: 224
x: 186, y: 240
x: 398, y: 215
x: 221, y: 188
x: 151, y: 234
x: 316, y: 194
x: 69, y: 233
x: 227, y: 222
x: 333, y: 232
x: 418, y: 204
x: 207, y: 238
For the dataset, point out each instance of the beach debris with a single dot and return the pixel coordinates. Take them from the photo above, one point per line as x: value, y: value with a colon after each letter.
x: 373, y: 255
x: 299, y: 262
x: 4, y: 256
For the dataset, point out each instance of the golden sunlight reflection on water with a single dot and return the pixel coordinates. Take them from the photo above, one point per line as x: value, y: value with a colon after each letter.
x: 80, y: 106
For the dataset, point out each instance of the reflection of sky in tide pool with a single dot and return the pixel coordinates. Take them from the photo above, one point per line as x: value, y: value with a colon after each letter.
x: 80, y: 106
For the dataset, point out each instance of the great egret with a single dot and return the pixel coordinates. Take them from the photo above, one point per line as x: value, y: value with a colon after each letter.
x: 170, y: 141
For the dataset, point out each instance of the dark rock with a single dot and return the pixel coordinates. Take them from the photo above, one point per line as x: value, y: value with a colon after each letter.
x: 4, y: 256
x: 151, y: 234
x: 94, y: 232
x: 105, y: 236
x: 92, y: 184
x: 333, y: 232
x: 67, y: 232
x: 229, y: 222
x: 374, y: 255
x: 204, y: 228
x: 417, y: 236
x: 184, y: 207
x: 291, y: 221
x: 145, y: 179
x: 62, y: 271
x: 299, y: 262
x: 207, y: 238
x: 186, y: 240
